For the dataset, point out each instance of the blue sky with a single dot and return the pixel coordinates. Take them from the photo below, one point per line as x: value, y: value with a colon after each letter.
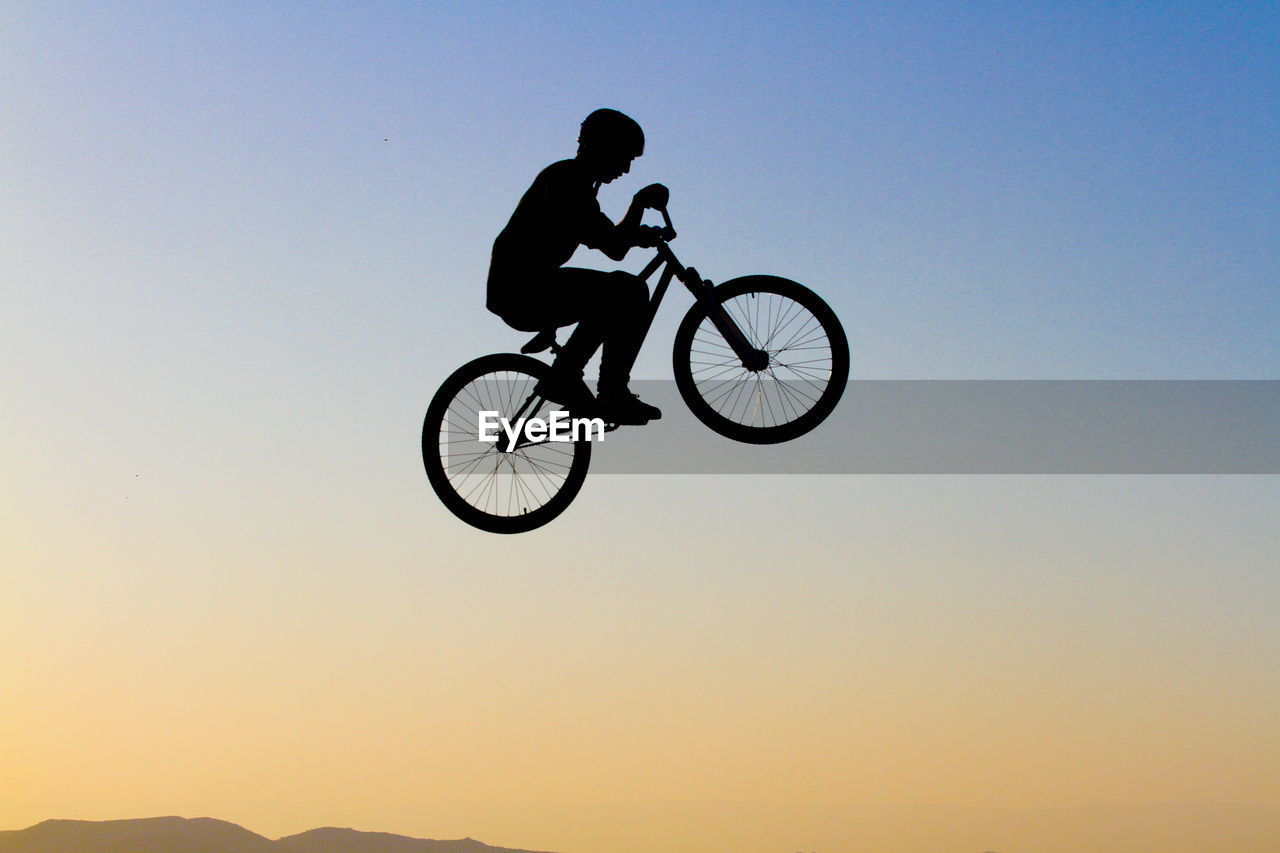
x: 1031, y: 190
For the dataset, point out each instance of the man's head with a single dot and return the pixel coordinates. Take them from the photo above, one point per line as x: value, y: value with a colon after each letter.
x: 608, y: 142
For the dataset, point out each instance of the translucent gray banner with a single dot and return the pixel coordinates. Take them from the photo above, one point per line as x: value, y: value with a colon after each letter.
x: 981, y: 427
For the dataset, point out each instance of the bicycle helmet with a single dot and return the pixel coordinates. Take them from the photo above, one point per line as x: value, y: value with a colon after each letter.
x: 611, y: 130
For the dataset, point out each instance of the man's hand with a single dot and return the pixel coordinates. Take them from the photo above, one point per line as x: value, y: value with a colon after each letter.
x: 653, y: 197
x: 647, y: 236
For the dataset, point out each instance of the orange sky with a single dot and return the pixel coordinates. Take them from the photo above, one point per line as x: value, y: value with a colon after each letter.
x: 1051, y: 645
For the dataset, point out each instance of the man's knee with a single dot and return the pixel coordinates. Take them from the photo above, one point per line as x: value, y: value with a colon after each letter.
x: 629, y: 290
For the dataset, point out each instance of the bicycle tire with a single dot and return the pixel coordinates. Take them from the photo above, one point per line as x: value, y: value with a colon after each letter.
x: 808, y: 361
x: 480, y: 483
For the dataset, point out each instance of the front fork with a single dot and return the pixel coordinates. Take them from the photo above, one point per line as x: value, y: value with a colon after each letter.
x: 752, y: 358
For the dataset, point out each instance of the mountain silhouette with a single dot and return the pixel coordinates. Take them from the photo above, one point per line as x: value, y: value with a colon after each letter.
x: 150, y: 835
x: 331, y: 840
x: 206, y: 835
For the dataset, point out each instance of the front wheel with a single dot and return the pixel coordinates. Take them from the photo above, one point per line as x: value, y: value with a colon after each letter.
x: 808, y: 361
x: 486, y: 483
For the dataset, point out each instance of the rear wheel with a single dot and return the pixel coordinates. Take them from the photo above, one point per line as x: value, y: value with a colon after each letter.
x: 808, y: 361
x: 484, y: 483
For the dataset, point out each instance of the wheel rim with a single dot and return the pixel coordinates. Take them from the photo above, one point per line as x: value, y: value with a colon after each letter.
x: 485, y: 477
x: 802, y: 361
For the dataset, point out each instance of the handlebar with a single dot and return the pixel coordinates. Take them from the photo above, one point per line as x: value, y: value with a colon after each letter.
x: 668, y: 230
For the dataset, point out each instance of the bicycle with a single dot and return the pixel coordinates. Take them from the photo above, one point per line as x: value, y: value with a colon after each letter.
x: 759, y: 359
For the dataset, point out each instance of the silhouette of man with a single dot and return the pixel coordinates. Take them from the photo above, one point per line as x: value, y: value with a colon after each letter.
x: 530, y: 288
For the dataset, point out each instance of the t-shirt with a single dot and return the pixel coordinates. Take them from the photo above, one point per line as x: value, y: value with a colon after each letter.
x: 558, y: 213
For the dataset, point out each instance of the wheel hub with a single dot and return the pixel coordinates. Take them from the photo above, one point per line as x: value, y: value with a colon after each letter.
x: 756, y: 360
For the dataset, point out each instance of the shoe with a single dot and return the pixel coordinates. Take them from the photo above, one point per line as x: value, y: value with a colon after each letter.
x: 623, y: 407
x: 567, y: 388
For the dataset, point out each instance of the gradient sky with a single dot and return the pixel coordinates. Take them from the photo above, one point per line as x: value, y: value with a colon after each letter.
x: 241, y: 244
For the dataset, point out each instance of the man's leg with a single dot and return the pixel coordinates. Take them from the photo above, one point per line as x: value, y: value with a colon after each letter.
x: 616, y: 316
x: 622, y: 320
x: 611, y: 309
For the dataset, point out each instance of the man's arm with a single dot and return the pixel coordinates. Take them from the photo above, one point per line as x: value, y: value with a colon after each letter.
x: 616, y: 240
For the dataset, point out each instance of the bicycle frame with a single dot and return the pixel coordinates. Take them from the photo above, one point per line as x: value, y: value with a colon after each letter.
x: 752, y: 357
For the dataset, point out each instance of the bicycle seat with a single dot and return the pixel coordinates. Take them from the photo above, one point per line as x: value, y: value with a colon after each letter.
x: 546, y: 339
